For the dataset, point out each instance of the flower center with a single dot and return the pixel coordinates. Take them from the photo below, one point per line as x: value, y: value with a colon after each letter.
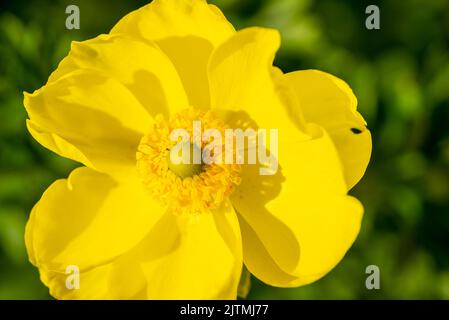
x: 185, y: 167
x: 182, y: 180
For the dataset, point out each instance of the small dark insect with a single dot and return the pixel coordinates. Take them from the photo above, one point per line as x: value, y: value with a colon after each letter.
x: 356, y: 131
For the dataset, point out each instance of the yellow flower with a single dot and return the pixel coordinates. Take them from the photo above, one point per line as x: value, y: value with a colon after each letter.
x: 140, y: 227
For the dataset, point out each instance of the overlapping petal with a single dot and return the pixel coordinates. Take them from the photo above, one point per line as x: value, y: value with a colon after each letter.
x: 88, y: 220
x: 242, y: 83
x: 182, y: 257
x: 90, y: 118
x: 301, y: 215
x: 100, y: 101
x: 163, y: 19
x: 298, y: 223
x: 138, y: 64
x: 187, y: 31
x: 330, y: 102
x: 195, y: 257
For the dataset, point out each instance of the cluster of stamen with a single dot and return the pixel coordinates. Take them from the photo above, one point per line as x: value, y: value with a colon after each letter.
x: 192, y: 188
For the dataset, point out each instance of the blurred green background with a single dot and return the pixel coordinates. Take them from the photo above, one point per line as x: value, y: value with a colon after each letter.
x: 400, y: 75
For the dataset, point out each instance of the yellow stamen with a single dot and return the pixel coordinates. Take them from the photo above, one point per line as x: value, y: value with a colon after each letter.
x: 190, y: 187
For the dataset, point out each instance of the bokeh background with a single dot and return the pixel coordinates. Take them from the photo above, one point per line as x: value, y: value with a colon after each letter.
x: 400, y: 75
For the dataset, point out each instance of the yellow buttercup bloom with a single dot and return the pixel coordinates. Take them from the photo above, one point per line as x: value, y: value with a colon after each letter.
x: 137, y: 225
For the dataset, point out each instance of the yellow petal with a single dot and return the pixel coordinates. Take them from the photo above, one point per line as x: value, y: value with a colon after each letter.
x: 262, y: 265
x: 194, y: 256
x: 182, y: 257
x: 301, y: 216
x: 244, y: 86
x: 300, y: 220
x: 187, y: 31
x: 115, y: 280
x: 88, y: 220
x: 90, y: 118
x: 176, y: 18
x: 190, y: 55
x: 137, y: 64
x: 330, y: 102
